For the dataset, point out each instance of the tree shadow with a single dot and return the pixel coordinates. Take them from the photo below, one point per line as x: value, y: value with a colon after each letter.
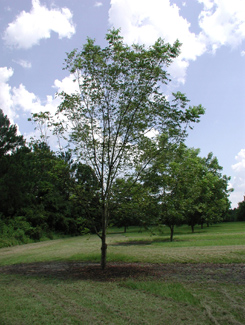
x: 118, y: 271
x: 144, y: 242
x: 65, y: 271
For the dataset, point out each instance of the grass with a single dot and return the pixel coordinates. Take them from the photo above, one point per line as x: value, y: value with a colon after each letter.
x: 223, y: 243
x: 27, y: 299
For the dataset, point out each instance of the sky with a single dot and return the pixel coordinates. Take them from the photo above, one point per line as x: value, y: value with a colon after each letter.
x: 36, y: 34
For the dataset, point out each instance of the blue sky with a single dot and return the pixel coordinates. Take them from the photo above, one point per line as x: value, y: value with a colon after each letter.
x: 36, y: 34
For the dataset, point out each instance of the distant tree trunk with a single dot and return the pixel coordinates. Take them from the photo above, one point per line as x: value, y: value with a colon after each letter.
x: 207, y: 224
x: 192, y: 228
x: 201, y: 225
x: 172, y: 233
x: 125, y: 229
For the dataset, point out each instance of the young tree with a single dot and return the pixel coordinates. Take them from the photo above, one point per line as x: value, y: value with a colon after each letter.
x: 119, y: 103
x: 189, y: 189
x: 173, y: 178
x: 182, y: 183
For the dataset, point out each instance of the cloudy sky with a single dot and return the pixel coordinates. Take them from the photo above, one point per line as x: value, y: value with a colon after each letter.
x: 36, y: 34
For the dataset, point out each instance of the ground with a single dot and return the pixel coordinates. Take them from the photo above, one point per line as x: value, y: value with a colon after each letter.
x: 230, y: 273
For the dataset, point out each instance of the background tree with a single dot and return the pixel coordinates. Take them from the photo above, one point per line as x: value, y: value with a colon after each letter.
x: 12, y: 152
x: 217, y: 202
x: 85, y: 199
x: 182, y: 182
x: 173, y: 179
x: 240, y: 211
x: 131, y: 204
x: 49, y: 186
x: 9, y: 140
x: 14, y: 183
x: 230, y: 216
x: 119, y: 103
x: 189, y: 189
x: 209, y: 201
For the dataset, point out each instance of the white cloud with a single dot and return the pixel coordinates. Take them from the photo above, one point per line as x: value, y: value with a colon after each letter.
x: 29, y: 102
x: 25, y: 64
x: 145, y: 21
x: 98, y: 4
x: 25, y: 100
x: 243, y: 53
x: 30, y: 27
x: 16, y: 99
x: 222, y: 22
x: 67, y: 85
x: 5, y: 92
x: 238, y: 181
x: 240, y: 165
x: 5, y: 74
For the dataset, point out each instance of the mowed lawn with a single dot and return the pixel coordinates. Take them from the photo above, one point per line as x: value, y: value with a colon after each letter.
x: 203, y: 298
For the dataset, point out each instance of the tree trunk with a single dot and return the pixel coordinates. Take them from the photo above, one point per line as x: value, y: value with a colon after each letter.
x: 103, y: 236
x: 125, y: 229
x: 103, y: 251
x: 192, y: 228
x: 201, y: 225
x: 172, y: 233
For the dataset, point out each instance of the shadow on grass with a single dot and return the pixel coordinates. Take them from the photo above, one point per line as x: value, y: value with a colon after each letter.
x: 144, y: 242
x: 117, y: 271
x: 66, y: 271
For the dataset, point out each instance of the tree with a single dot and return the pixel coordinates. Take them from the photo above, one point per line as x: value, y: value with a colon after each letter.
x: 131, y: 204
x: 173, y: 178
x: 209, y: 201
x: 14, y: 182
x: 189, y: 189
x: 182, y: 185
x: 217, y: 202
x: 119, y: 103
x: 9, y: 140
x: 49, y: 187
x: 85, y: 198
x: 12, y: 151
x: 240, y: 211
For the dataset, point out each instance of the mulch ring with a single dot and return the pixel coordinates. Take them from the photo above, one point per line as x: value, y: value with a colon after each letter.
x: 229, y: 273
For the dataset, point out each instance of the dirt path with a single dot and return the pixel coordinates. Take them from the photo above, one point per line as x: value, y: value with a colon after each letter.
x: 229, y: 273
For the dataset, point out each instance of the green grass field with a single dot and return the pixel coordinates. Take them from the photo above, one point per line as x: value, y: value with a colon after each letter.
x: 209, y: 288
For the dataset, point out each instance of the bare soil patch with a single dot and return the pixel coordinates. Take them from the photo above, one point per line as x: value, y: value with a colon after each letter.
x: 228, y: 273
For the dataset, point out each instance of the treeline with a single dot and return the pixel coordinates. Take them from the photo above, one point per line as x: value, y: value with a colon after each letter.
x: 43, y: 193
x: 236, y: 214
